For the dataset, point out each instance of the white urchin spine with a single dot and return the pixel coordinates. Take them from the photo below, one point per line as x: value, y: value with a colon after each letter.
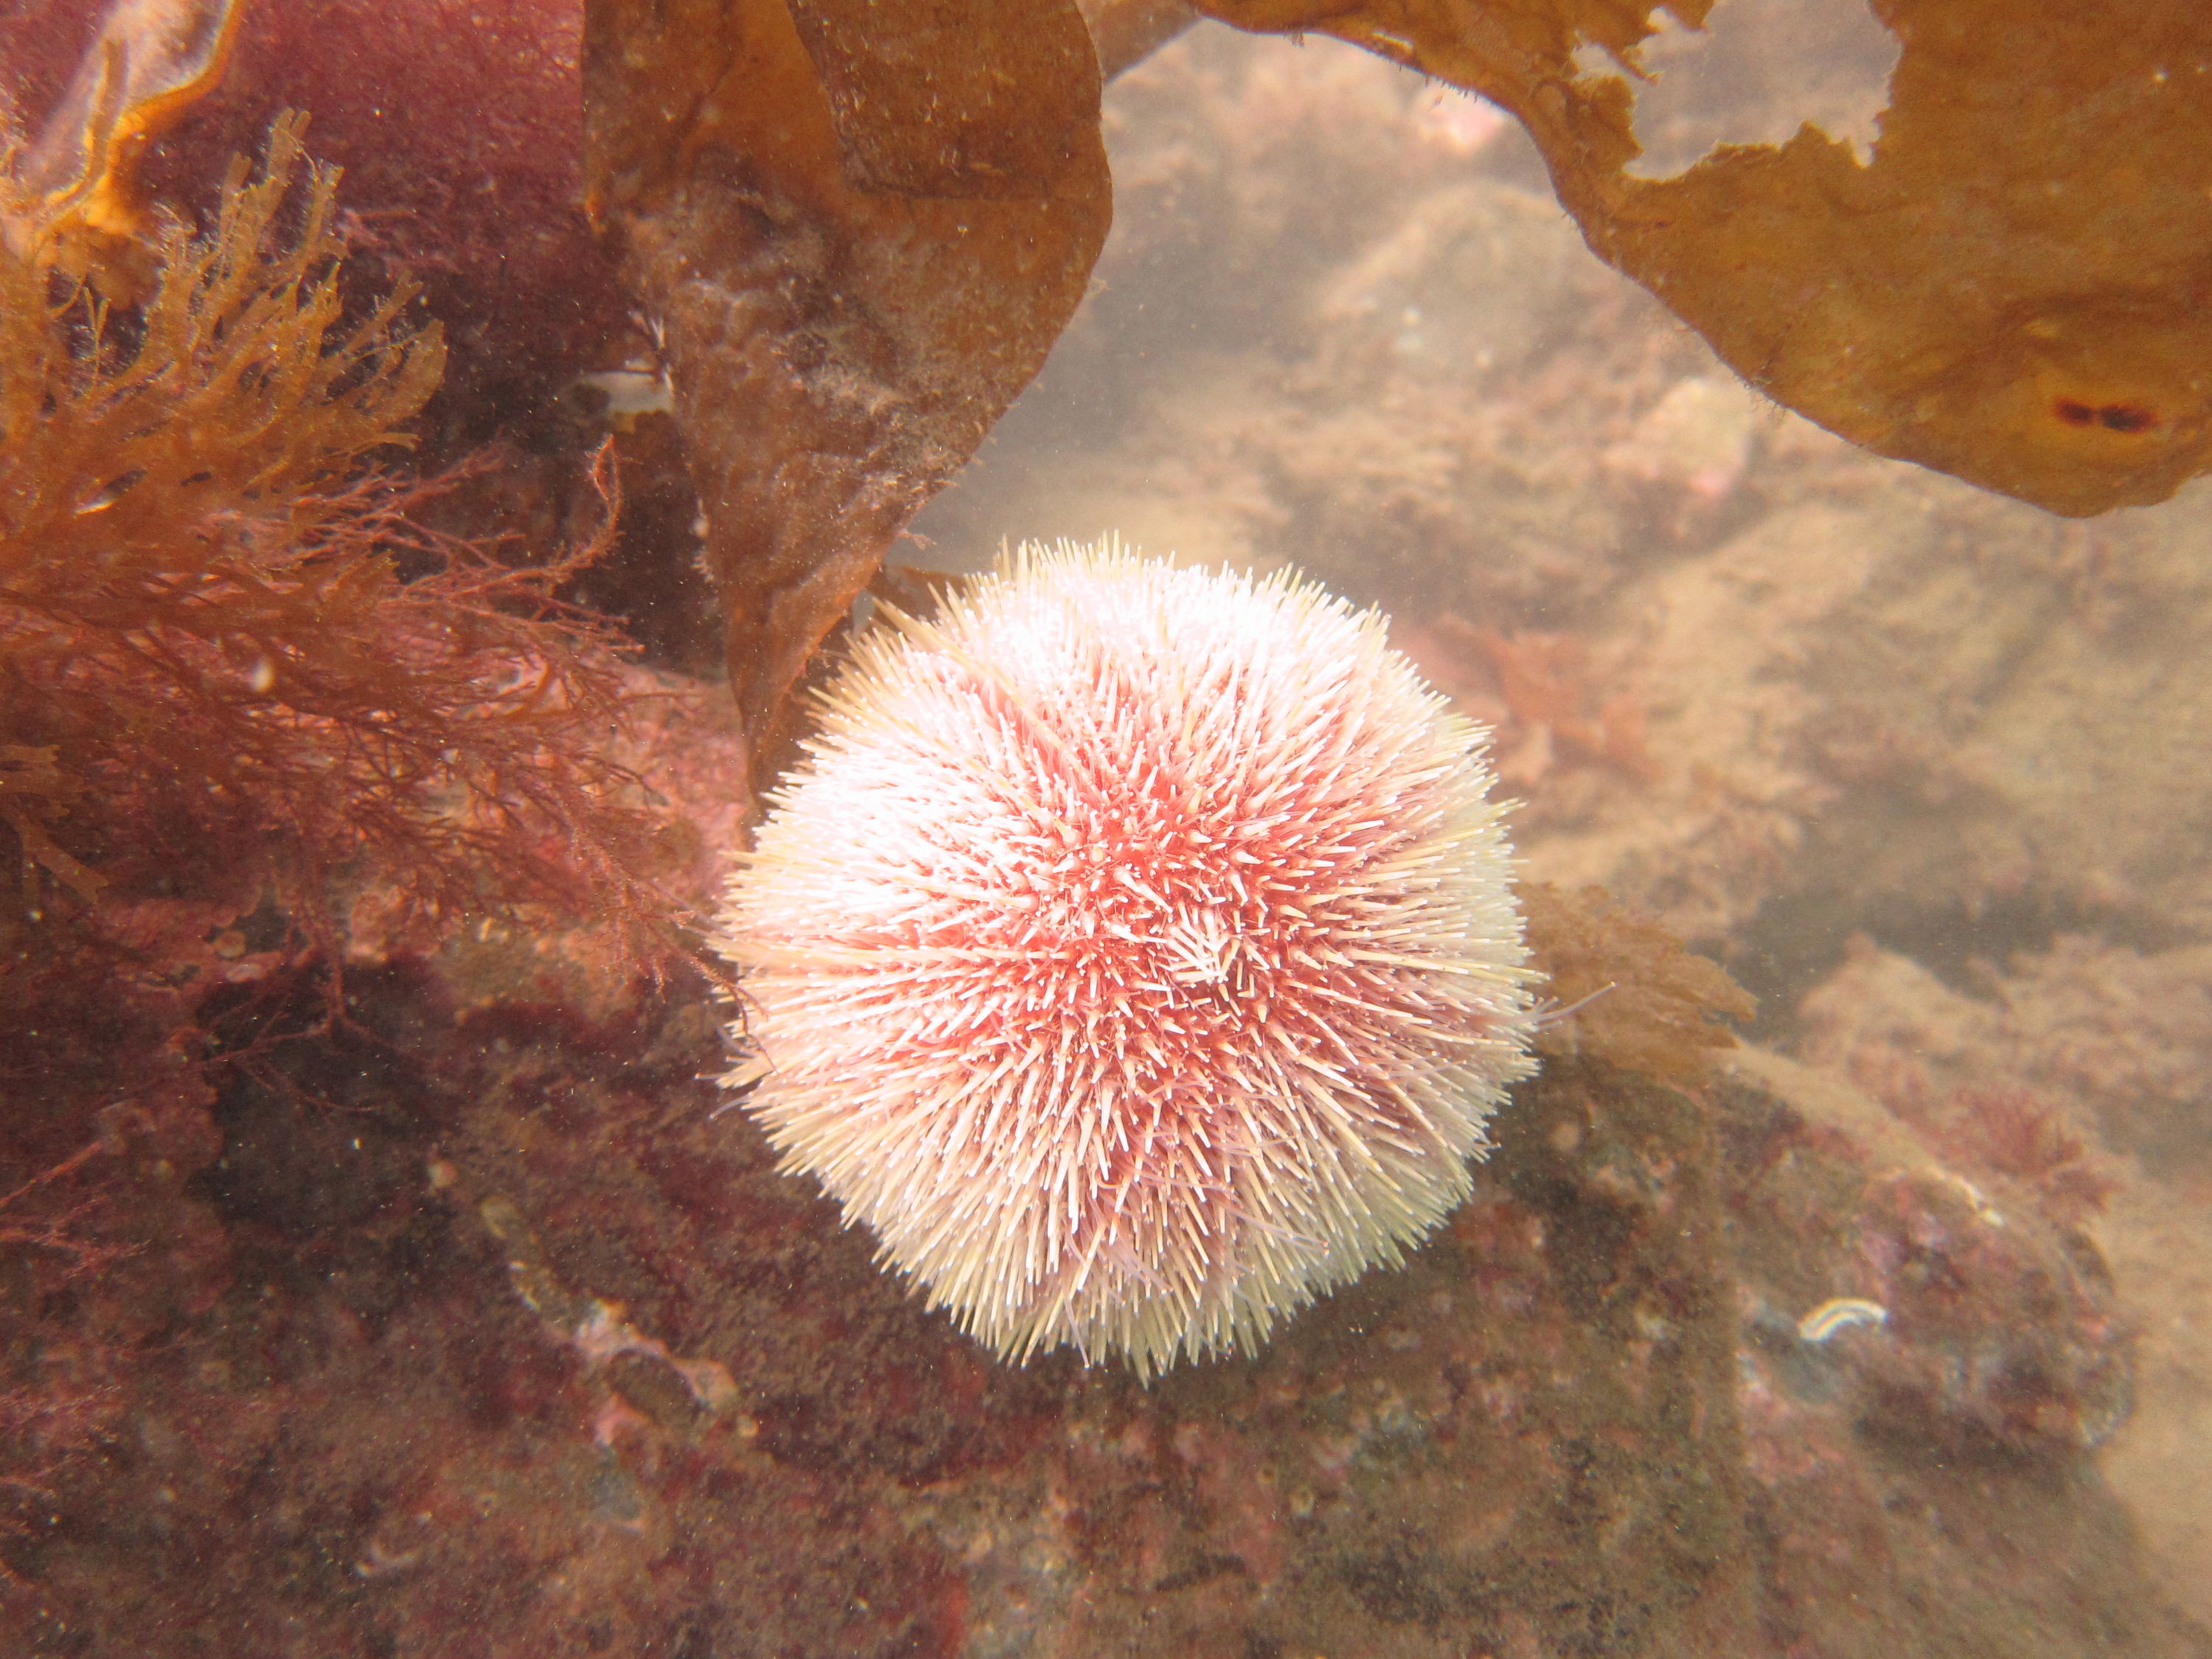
x: 1134, y: 953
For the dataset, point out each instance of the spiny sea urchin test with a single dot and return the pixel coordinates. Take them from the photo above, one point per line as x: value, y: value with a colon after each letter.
x: 1133, y: 952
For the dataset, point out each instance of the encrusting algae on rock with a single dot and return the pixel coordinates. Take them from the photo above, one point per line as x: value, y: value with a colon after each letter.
x: 1133, y: 954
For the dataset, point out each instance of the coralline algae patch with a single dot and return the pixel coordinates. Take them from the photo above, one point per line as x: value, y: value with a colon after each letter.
x: 397, y: 1409
x: 1563, y: 1337
x: 1531, y: 1430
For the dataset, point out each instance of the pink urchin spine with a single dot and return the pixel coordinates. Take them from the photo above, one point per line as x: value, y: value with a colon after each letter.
x: 1276, y: 1084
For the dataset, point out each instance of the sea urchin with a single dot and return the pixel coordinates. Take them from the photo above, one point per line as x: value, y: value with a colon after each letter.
x: 1133, y: 952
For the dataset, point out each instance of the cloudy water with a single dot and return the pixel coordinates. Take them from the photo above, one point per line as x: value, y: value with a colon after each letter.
x: 1921, y: 765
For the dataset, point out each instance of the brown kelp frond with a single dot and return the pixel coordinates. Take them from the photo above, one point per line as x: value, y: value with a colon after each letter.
x: 215, y: 678
x: 147, y: 65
